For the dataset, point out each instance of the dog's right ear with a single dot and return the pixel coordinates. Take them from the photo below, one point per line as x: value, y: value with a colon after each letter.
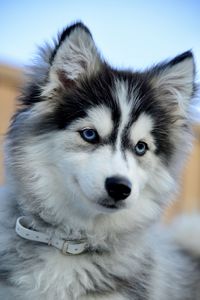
x: 74, y: 56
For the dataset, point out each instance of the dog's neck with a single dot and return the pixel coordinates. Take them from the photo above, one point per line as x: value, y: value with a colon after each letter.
x: 97, y: 241
x: 24, y: 230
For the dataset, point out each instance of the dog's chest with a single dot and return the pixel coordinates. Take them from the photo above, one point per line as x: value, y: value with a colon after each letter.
x: 66, y: 277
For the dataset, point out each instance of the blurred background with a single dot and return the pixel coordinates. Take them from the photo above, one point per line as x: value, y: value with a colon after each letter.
x: 129, y: 33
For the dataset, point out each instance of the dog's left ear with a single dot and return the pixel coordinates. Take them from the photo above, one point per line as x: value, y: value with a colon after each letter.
x: 174, y: 81
x: 74, y: 57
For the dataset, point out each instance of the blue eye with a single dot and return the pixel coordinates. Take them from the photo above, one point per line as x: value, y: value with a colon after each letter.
x: 141, y: 148
x: 89, y: 135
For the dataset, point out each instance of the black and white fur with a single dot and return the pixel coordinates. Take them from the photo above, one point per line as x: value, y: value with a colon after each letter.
x: 58, y: 179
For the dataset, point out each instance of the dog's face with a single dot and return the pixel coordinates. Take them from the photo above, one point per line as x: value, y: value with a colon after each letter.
x: 92, y: 140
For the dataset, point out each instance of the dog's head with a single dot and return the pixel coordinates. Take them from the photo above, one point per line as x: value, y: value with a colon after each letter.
x: 92, y: 140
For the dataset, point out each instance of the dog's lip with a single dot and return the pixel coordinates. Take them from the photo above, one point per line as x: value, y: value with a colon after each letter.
x: 111, y: 205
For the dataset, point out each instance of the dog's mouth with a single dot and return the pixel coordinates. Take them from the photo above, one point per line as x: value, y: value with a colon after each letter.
x: 109, y: 205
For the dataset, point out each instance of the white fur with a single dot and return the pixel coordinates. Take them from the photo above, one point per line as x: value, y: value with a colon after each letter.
x: 141, y: 130
x: 121, y: 95
x: 98, y: 118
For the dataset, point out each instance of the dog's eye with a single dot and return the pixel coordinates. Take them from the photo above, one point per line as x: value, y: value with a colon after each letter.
x: 89, y: 135
x: 141, y: 148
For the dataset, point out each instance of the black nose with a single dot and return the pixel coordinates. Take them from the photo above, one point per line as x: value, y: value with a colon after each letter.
x: 118, y: 188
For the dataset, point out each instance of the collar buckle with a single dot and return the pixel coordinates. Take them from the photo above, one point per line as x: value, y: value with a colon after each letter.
x: 74, y: 247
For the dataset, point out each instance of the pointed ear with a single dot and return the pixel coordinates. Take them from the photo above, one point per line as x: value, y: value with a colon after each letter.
x: 74, y: 56
x: 174, y: 81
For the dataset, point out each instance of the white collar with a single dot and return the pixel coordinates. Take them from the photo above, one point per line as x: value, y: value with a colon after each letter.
x: 66, y: 246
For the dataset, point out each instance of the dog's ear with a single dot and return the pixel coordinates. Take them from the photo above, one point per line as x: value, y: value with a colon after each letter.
x: 174, y: 81
x: 74, y: 56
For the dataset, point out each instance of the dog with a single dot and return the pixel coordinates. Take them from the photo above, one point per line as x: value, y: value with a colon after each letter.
x: 92, y: 158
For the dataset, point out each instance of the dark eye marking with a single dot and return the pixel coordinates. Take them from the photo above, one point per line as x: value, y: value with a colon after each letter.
x: 141, y: 148
x: 89, y: 135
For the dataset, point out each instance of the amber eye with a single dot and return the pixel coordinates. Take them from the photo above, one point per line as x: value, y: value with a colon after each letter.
x: 141, y: 148
x: 89, y: 135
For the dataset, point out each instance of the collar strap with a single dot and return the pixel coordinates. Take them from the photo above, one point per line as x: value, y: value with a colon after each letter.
x: 66, y: 246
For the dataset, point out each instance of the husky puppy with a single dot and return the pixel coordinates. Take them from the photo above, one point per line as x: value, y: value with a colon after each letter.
x: 93, y: 156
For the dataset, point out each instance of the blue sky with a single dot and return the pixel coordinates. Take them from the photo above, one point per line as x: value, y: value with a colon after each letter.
x: 129, y: 33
